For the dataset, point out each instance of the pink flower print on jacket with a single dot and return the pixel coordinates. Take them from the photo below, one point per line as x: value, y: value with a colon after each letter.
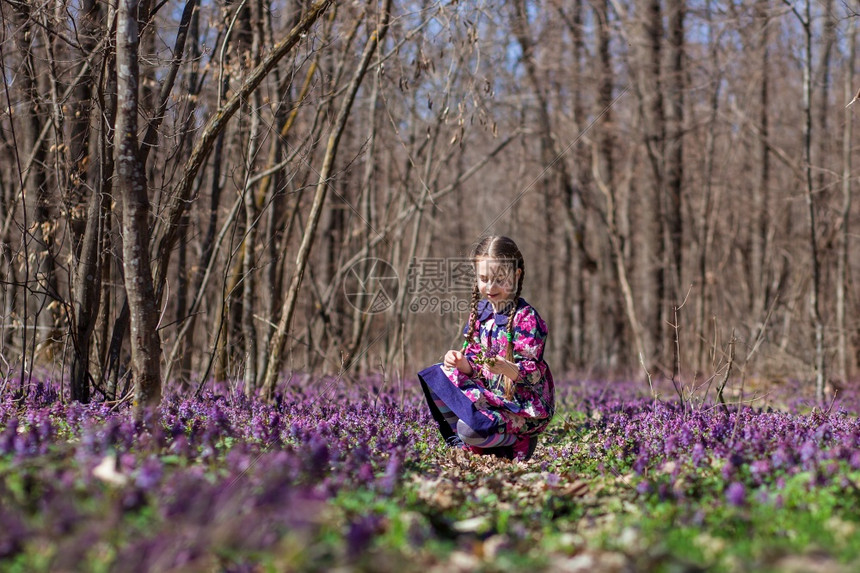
x: 527, y: 323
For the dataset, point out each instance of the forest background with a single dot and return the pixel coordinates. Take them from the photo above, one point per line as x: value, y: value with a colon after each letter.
x: 238, y: 189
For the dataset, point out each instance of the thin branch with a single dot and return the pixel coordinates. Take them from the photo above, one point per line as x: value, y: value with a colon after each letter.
x: 181, y: 197
x: 728, y: 373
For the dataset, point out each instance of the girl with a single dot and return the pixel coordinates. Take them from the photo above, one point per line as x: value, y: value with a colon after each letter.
x: 497, y: 393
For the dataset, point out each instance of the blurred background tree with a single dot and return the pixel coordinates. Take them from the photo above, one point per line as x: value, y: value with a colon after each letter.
x: 673, y: 170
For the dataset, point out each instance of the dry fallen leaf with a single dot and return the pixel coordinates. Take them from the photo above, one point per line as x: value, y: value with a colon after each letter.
x: 477, y: 524
x: 107, y: 472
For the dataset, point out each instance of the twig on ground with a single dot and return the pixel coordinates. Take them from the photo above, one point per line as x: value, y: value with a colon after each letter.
x: 118, y: 403
x: 833, y: 401
x: 648, y: 374
x: 676, y: 367
x: 728, y: 373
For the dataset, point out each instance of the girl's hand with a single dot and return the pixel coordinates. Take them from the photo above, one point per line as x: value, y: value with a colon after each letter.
x: 504, y: 367
x: 456, y: 359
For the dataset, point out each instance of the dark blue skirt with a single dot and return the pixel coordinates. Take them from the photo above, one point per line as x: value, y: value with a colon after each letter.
x: 484, y: 423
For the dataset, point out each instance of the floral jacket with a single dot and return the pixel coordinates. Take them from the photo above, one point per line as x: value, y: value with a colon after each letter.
x: 533, y: 402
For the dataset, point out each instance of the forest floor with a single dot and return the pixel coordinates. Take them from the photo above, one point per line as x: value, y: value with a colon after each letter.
x: 353, y: 477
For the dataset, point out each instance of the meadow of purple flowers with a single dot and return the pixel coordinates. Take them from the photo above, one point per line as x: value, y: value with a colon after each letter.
x: 214, y: 480
x: 336, y: 474
x: 752, y: 446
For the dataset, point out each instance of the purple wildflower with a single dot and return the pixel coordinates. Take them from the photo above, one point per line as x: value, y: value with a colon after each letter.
x: 150, y: 474
x: 736, y: 494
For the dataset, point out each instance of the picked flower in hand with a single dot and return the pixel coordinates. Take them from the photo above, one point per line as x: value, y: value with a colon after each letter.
x: 488, y: 355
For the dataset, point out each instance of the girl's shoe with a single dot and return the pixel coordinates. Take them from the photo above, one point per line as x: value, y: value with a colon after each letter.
x: 455, y: 441
x: 524, y: 448
x: 503, y: 452
x: 521, y: 450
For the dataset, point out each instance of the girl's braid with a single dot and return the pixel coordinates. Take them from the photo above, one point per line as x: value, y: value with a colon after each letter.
x: 509, y: 352
x: 473, y: 315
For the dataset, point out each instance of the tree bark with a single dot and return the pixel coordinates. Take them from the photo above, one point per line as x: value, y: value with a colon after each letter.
x: 42, y: 274
x: 604, y: 175
x: 87, y: 296
x: 811, y: 207
x: 132, y: 184
x: 650, y: 250
x: 184, y: 280
x: 86, y: 228
x: 822, y: 86
x: 674, y: 151
x: 842, y: 283
x: 760, y: 244
x: 104, y: 175
x: 79, y: 123
x: 360, y: 319
x: 249, y: 269
x: 705, y: 234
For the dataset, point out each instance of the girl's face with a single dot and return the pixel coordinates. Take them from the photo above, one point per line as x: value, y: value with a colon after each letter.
x: 497, y: 278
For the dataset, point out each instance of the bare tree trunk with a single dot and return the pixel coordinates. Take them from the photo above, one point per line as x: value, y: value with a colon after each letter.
x: 157, y: 110
x: 397, y: 341
x: 760, y: 246
x: 79, y: 120
x: 823, y: 107
x: 577, y: 315
x: 617, y: 246
x: 86, y: 229
x: 249, y: 272
x: 273, y: 180
x: 216, y: 188
x: 9, y: 271
x: 651, y: 252
x: 842, y: 260
x: 814, y: 295
x: 705, y: 235
x: 104, y: 173
x: 360, y: 318
x: 249, y: 282
x: 674, y: 150
x: 87, y: 296
x: 604, y: 174
x: 400, y: 307
x: 145, y: 343
x: 184, y: 337
x: 41, y: 275
x: 277, y: 345
x: 235, y: 58
x: 184, y: 280
x: 279, y: 220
